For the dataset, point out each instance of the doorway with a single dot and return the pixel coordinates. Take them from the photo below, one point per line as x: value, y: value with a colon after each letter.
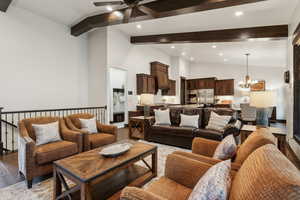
x: 183, y: 90
x: 118, y: 96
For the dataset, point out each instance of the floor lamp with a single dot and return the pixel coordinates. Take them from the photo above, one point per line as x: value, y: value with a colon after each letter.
x: 262, y: 101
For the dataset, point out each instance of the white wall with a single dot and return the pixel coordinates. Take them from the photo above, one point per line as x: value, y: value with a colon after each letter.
x: 134, y: 59
x: 97, y: 67
x: 289, y: 89
x: 42, y: 65
x: 272, y: 75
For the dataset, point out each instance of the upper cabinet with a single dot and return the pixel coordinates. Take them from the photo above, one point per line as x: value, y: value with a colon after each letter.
x: 172, y: 89
x: 224, y: 87
x: 160, y: 72
x: 145, y: 84
x: 203, y: 83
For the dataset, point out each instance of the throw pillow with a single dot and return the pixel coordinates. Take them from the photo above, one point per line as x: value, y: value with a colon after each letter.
x: 226, y: 149
x: 214, y: 184
x: 162, y: 117
x: 46, y: 133
x: 218, y: 122
x: 89, y: 125
x: 189, y: 120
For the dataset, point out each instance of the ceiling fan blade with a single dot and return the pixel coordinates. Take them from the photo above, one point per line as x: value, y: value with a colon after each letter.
x: 108, y: 3
x: 148, y: 11
x: 127, y: 15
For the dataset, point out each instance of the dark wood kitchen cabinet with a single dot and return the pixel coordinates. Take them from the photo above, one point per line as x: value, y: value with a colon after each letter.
x: 160, y: 72
x: 145, y: 84
x: 201, y: 83
x: 224, y: 87
x: 172, y: 90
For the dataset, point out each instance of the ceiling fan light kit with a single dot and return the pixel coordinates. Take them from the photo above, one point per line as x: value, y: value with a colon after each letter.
x: 132, y: 6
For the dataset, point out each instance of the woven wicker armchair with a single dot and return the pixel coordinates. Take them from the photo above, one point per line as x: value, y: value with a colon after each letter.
x: 107, y: 134
x: 203, y: 149
x: 36, y: 160
x: 265, y: 175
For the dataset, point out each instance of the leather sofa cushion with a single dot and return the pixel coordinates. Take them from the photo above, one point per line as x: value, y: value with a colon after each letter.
x: 50, y: 152
x: 101, y: 139
x: 173, y: 130
x: 254, y: 141
x: 219, y: 111
x: 165, y: 188
x: 209, y: 134
x: 175, y: 116
x: 266, y: 175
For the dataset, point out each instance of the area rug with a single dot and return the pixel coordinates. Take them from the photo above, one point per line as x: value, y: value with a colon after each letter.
x: 43, y: 190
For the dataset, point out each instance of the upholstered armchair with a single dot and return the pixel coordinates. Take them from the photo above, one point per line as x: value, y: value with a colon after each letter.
x: 181, y: 176
x: 265, y: 174
x: 107, y: 134
x: 36, y: 160
x: 203, y: 149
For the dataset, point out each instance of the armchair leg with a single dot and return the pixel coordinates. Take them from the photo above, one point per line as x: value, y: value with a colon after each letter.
x: 29, y: 184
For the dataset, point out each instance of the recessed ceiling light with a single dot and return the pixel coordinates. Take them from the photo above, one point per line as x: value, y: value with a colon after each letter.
x: 225, y: 60
x: 239, y: 13
x: 172, y: 47
x: 221, y: 54
x: 251, y: 39
x: 109, y: 8
x: 192, y: 59
x: 139, y: 26
x: 183, y: 53
x: 214, y: 46
x: 118, y: 13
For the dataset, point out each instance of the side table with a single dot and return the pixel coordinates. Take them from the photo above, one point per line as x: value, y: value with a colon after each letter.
x: 277, y: 132
x: 137, y: 126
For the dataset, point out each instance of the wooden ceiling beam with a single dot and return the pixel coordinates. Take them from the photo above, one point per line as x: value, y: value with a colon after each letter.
x: 226, y: 35
x: 157, y: 9
x: 4, y: 4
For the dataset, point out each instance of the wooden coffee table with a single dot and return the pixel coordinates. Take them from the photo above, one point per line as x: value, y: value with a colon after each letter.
x: 97, y: 177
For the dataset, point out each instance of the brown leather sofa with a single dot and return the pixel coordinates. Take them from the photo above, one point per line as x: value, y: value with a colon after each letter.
x: 265, y: 175
x: 36, y: 160
x: 107, y: 133
x: 203, y: 149
x: 183, y: 136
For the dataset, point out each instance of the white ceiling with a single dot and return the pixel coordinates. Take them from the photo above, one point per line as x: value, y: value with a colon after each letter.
x: 270, y: 12
x: 263, y: 53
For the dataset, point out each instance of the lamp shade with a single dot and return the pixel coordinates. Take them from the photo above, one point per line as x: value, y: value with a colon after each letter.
x: 147, y: 99
x: 264, y: 99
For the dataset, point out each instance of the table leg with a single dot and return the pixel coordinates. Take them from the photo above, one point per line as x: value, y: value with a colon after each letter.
x: 85, y: 192
x: 57, y: 190
x: 130, y: 129
x: 154, y: 163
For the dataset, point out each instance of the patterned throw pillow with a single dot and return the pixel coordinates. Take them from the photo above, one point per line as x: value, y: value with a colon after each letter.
x: 214, y: 184
x: 89, y: 125
x: 226, y: 149
x: 46, y: 133
x: 218, y: 122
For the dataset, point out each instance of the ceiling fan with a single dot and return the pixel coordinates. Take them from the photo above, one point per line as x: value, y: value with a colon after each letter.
x: 132, y: 5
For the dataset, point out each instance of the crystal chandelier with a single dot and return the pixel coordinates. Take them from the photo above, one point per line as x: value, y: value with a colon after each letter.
x: 247, y: 82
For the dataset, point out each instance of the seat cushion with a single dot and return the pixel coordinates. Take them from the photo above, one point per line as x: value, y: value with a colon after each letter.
x: 173, y: 130
x: 209, y: 134
x: 50, y: 152
x: 266, y: 175
x: 255, y: 140
x: 100, y: 139
x: 165, y: 188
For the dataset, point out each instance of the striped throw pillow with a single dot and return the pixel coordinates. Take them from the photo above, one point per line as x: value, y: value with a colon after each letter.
x: 217, y: 122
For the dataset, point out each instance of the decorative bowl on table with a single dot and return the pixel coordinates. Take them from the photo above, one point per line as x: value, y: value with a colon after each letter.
x: 115, y: 150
